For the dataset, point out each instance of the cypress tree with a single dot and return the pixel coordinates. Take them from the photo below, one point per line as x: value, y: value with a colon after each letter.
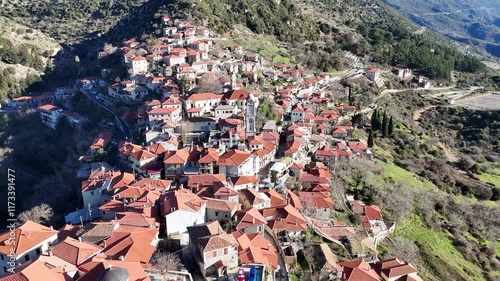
x: 385, y: 125
x: 374, y: 120
x: 349, y: 97
x: 391, y: 127
x: 370, y: 139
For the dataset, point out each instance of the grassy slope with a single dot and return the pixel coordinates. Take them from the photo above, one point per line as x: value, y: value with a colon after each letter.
x: 436, y: 248
x: 492, y: 176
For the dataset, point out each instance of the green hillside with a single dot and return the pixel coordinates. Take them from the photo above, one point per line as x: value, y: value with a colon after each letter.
x: 476, y: 21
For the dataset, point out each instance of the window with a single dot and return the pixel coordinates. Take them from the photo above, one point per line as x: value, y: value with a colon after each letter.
x: 103, y: 213
x: 226, y: 251
x: 216, y: 214
x: 38, y: 252
x: 225, y: 215
x: 4, y: 269
x: 214, y: 254
x: 27, y: 258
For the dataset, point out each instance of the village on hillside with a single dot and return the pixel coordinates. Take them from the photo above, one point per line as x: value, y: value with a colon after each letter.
x: 214, y: 174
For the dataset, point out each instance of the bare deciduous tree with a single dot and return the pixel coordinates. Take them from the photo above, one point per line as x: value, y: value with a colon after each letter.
x: 109, y: 49
x: 164, y: 262
x: 39, y: 214
x: 208, y: 84
x: 405, y: 250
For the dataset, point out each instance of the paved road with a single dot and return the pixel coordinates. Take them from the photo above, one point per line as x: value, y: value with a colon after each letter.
x: 123, y: 125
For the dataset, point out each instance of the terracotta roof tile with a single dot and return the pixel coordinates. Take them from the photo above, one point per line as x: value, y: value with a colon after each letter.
x: 27, y: 236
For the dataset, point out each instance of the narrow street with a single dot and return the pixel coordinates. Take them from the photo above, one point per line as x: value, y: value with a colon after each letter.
x: 282, y: 274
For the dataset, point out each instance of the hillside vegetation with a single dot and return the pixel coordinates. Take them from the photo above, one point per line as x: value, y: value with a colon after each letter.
x: 70, y: 21
x: 475, y: 21
x: 25, y: 54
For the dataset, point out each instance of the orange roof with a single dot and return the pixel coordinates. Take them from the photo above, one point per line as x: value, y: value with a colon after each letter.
x: 74, y: 251
x: 252, y: 196
x: 113, y: 206
x: 162, y: 110
x: 153, y: 183
x: 181, y: 199
x: 97, y: 268
x: 122, y: 180
x: 133, y: 243
x: 317, y: 200
x: 358, y: 270
x: 26, y: 236
x: 176, y: 157
x: 195, y: 181
x: 248, y: 217
x: 221, y: 205
x: 294, y: 199
x: 203, y: 96
x: 276, y: 198
x: 284, y: 218
x: 37, y: 271
x: 48, y: 107
x: 138, y: 58
x: 208, y: 156
x: 293, y: 146
x: 233, y: 157
x: 373, y: 212
x: 101, y: 140
x: 237, y: 95
x: 255, y: 248
x: 242, y: 180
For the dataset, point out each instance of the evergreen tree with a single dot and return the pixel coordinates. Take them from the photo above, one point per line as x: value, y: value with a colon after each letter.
x: 390, y: 127
x: 385, y: 125
x: 374, y: 120
x: 349, y: 96
x: 370, y: 139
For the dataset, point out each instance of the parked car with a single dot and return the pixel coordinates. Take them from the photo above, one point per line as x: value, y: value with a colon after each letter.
x: 241, y: 275
x: 253, y: 274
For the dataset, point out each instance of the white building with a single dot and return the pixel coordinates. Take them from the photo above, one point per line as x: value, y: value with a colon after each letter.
x: 139, y: 65
x: 25, y: 243
x: 181, y: 209
x: 50, y: 114
x: 237, y: 163
x: 225, y: 111
x: 204, y: 101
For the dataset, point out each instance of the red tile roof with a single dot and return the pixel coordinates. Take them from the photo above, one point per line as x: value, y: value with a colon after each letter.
x: 181, y: 199
x: 255, y: 248
x: 358, y: 270
x: 74, y: 251
x: 131, y: 243
x: 248, y: 217
x: 36, y: 271
x: 26, y: 236
x: 95, y: 269
x: 316, y: 200
x: 233, y: 157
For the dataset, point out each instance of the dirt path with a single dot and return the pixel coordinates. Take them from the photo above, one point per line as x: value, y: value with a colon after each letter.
x: 447, y: 153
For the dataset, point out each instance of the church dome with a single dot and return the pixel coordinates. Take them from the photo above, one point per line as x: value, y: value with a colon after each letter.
x: 114, y: 274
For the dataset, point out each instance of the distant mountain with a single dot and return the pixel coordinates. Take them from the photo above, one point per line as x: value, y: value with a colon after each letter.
x: 470, y: 21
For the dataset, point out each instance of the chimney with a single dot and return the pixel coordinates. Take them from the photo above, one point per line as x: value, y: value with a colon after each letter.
x: 80, y: 239
x: 51, y: 228
x: 50, y: 252
x: 269, y: 246
x: 253, y: 220
x: 104, y: 244
x: 122, y: 258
